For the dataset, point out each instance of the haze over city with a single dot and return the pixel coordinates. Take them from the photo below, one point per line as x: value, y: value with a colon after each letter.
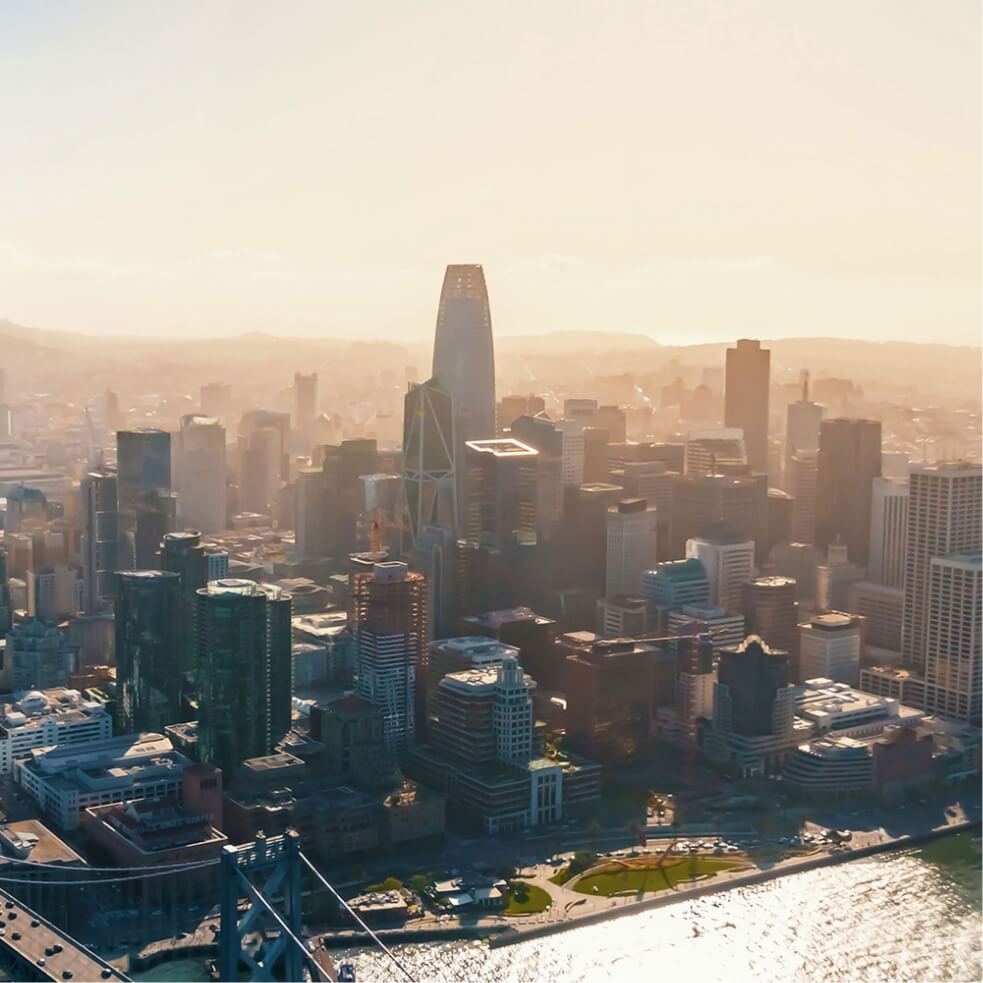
x: 690, y: 171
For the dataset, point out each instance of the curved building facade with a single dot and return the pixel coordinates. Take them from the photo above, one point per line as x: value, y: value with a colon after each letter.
x: 463, y: 351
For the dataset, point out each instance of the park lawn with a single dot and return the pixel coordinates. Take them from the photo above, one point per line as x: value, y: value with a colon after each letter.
x: 535, y: 899
x: 646, y: 879
x: 561, y: 876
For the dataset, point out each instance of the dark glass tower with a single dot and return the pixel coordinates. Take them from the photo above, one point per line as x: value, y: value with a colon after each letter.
x: 243, y: 667
x: 143, y: 466
x: 182, y: 553
x: 150, y: 682
x: 746, y: 398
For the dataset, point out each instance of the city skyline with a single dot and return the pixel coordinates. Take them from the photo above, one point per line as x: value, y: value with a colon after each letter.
x: 302, y: 174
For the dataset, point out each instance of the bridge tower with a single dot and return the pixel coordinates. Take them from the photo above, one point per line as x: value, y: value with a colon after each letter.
x: 267, y: 872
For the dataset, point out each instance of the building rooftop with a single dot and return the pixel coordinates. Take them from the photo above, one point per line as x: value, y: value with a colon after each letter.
x: 30, y: 709
x: 31, y: 840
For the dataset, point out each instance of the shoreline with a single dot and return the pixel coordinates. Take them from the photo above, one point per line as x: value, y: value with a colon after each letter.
x: 497, y: 936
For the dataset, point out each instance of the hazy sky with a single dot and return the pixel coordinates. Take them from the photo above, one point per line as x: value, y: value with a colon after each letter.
x: 691, y: 169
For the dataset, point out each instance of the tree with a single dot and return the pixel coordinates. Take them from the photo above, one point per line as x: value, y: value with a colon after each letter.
x: 638, y: 833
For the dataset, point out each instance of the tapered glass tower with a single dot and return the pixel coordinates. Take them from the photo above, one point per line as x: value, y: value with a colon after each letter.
x: 463, y: 351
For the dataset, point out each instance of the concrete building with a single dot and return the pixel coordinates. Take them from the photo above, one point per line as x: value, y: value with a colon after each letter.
x: 739, y: 500
x: 746, y: 391
x: 800, y: 482
x: 500, y: 492
x: 888, y: 531
x: 772, y: 612
x: 38, y: 656
x: 49, y: 718
x: 728, y: 559
x: 677, y: 584
x: 954, y: 625
x: 65, y: 781
x: 631, y: 545
x: 714, y: 451
x: 944, y: 518
x: 201, y: 474
x: 830, y: 647
x: 609, y: 699
x: 459, y: 654
x: 725, y: 628
x: 54, y: 592
x: 849, y: 461
x: 100, y: 539
x: 881, y: 608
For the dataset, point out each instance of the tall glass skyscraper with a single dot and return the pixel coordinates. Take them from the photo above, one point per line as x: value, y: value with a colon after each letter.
x: 148, y: 636
x: 463, y: 351
x: 244, y: 671
x: 143, y: 466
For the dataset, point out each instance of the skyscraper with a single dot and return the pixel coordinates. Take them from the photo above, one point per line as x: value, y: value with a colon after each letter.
x: 944, y: 503
x: 751, y: 697
x: 148, y: 638
x: 829, y: 648
x: 156, y: 516
x: 244, y: 658
x: 803, y: 418
x: 728, y: 558
x: 305, y: 408
x: 100, y: 536
x: 428, y: 492
x: 746, y: 398
x: 739, y: 500
x: 849, y: 461
x: 201, y: 473
x: 143, y: 466
x: 953, y: 655
x: 389, y: 624
x: 463, y: 351
x: 182, y: 554
x: 500, y: 493
x: 771, y: 611
x: 888, y: 532
x: 800, y: 482
x: 631, y: 545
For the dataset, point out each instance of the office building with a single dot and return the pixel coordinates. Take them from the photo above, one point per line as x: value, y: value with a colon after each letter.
x: 244, y: 666
x: 741, y: 501
x: 882, y: 610
x: 6, y: 606
x: 547, y: 438
x: 48, y: 718
x: 389, y: 624
x: 714, y: 451
x: 459, y: 654
x: 463, y: 352
x: 653, y: 481
x: 728, y: 559
x: 803, y: 419
x: 54, y: 592
x: 751, y: 690
x: 67, y: 780
x: 311, y: 519
x: 305, y: 408
x: 631, y: 545
x: 771, y: 611
x: 835, y: 578
x: 800, y: 482
x: 156, y: 516
x: 500, y: 493
x: 531, y: 633
x: 25, y: 507
x: 149, y: 679
x: 510, y: 408
x: 37, y: 656
x: 143, y: 467
x: 429, y: 479
x: 954, y: 626
x: 944, y: 507
x: 829, y: 648
x: 609, y: 699
x: 596, y: 442
x: 182, y: 553
x: 625, y: 616
x: 677, y: 584
x: 724, y: 629
x: 264, y: 459
x: 99, y: 542
x: 746, y: 391
x: 888, y: 531
x: 344, y: 466
x: 201, y: 474
x: 849, y: 460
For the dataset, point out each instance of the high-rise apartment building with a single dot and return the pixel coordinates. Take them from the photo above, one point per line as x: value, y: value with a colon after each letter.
x: 149, y: 679
x: 829, y: 648
x: 800, y: 482
x: 849, y: 461
x: 631, y: 545
x: 201, y: 474
x: 944, y: 504
x: 748, y: 378
x: 464, y: 353
x: 954, y: 623
x: 156, y: 517
x: 728, y: 559
x: 389, y: 623
x: 244, y: 671
x: 429, y: 479
x: 182, y: 554
x: 100, y: 538
x: 888, y: 531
